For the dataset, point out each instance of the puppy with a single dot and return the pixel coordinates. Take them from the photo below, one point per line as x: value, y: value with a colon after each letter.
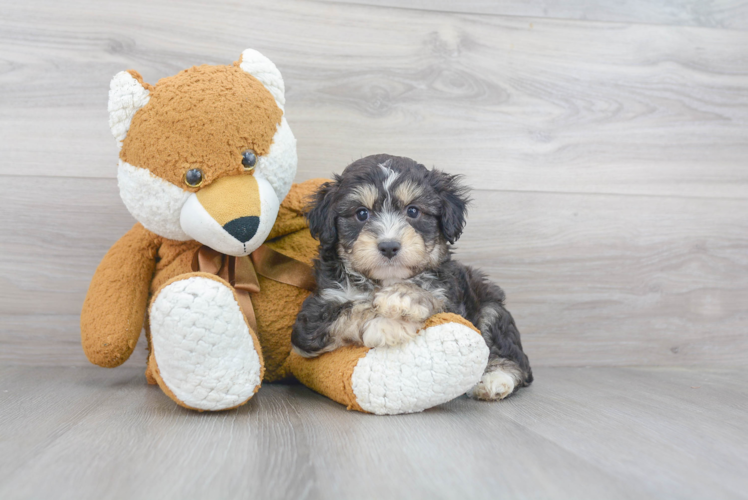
x: 384, y: 267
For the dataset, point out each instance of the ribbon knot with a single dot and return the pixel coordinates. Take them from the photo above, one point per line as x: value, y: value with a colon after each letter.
x: 241, y: 273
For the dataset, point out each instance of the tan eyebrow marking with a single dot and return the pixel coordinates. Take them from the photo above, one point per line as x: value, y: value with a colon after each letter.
x: 407, y: 192
x: 366, y: 195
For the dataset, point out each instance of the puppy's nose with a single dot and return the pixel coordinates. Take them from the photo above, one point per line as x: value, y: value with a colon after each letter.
x: 243, y: 228
x: 389, y: 248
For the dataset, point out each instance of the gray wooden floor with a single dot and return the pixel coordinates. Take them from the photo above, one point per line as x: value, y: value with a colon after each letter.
x: 579, y: 433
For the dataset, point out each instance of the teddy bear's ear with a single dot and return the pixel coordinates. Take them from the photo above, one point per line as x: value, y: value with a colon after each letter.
x: 127, y: 94
x: 264, y: 70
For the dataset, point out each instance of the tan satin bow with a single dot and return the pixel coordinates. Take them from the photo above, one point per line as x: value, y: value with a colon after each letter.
x: 241, y: 273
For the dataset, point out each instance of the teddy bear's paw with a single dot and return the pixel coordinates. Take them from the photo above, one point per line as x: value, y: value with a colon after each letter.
x: 203, y: 348
x: 441, y: 363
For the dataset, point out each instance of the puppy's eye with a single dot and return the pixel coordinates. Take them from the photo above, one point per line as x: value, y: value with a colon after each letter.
x: 194, y: 177
x: 412, y: 212
x: 362, y: 214
x: 249, y: 160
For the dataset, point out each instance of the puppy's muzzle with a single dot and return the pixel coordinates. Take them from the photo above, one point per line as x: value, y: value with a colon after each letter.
x: 389, y: 248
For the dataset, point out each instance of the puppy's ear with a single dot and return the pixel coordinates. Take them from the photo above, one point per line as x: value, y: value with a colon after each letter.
x: 321, y: 214
x: 454, y: 200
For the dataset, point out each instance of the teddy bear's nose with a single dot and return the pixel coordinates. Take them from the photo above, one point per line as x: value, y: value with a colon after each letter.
x: 242, y: 228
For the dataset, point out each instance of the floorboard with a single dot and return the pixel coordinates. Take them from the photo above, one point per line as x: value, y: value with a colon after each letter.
x: 576, y: 433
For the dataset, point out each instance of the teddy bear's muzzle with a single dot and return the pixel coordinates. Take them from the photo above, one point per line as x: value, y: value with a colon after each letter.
x: 232, y: 215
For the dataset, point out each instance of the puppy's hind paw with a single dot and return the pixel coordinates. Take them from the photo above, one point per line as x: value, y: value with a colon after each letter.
x: 493, y: 386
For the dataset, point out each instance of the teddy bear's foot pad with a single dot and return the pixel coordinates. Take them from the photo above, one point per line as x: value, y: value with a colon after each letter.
x: 443, y: 362
x: 203, y: 348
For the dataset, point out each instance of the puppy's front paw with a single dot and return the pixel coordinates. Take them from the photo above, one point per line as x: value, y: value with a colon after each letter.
x: 493, y: 386
x: 396, y: 303
x: 380, y: 332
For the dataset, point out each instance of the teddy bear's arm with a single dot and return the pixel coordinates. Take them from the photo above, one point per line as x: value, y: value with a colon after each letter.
x: 115, y: 305
x: 446, y: 360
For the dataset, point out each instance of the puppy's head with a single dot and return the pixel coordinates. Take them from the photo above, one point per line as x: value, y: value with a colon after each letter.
x: 388, y: 217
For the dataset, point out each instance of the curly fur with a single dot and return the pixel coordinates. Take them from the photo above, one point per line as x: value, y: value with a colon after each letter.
x: 365, y: 297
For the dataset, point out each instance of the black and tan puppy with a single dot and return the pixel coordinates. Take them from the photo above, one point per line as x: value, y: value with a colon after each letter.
x: 384, y: 267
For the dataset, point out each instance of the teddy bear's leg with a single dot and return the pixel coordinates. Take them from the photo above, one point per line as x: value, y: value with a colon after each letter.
x: 204, y: 355
x: 444, y: 361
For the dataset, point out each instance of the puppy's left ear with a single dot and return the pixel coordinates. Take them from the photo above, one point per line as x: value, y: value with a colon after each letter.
x: 454, y: 200
x: 321, y: 215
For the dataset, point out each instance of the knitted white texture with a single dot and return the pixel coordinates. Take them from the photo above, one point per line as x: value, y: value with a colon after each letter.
x: 126, y: 97
x: 443, y: 362
x: 202, y: 345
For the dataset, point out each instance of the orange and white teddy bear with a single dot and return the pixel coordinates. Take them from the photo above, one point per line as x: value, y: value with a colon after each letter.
x: 219, y: 262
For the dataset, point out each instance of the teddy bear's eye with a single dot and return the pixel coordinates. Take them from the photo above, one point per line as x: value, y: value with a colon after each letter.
x: 193, y: 177
x: 249, y: 159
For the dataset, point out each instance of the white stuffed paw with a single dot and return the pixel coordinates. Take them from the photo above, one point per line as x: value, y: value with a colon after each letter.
x: 202, y: 345
x: 441, y: 363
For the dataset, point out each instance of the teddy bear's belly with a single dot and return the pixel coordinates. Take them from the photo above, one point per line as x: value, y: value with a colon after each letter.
x: 174, y: 259
x: 276, y: 307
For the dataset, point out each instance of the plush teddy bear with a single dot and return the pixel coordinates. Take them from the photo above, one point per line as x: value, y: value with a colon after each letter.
x: 220, y: 260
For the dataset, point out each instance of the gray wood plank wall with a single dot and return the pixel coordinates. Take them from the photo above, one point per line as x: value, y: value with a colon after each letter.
x: 607, y: 142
